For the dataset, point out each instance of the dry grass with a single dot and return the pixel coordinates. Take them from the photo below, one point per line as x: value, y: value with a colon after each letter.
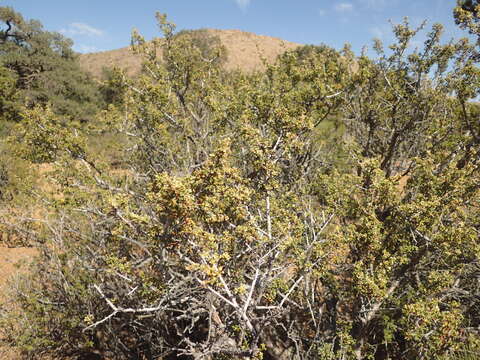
x: 245, y: 52
x: 12, y: 262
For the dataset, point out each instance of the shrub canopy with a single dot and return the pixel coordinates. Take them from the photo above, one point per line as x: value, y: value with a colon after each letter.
x: 325, y: 208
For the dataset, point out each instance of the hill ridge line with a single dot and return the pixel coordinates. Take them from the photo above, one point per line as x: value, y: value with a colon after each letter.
x: 244, y: 50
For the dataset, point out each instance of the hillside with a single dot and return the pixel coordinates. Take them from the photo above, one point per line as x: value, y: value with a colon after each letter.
x: 245, y: 52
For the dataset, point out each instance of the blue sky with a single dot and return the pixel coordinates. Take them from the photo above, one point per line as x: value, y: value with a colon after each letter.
x: 97, y: 25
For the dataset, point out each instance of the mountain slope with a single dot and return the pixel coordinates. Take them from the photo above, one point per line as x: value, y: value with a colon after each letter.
x: 245, y: 52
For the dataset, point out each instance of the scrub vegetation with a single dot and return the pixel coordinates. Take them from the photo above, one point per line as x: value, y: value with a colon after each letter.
x: 326, y: 207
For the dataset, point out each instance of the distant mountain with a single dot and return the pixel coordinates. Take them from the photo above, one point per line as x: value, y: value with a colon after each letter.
x: 245, y: 52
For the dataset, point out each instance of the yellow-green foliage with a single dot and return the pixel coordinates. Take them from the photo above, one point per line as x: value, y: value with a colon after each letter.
x: 9, y: 96
x: 239, y: 229
x: 42, y: 135
x: 467, y: 15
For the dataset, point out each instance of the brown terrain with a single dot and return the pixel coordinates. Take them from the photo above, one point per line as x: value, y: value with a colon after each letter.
x: 245, y: 52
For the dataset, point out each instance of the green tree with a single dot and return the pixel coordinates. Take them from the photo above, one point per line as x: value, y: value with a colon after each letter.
x: 9, y: 97
x: 467, y: 16
x: 208, y: 44
x: 399, y: 268
x: 113, y: 87
x: 397, y: 103
x: 46, y: 67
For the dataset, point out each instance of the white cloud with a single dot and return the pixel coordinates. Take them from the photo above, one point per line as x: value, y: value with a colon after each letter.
x: 243, y: 4
x: 343, y: 7
x: 77, y: 28
x: 322, y: 12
